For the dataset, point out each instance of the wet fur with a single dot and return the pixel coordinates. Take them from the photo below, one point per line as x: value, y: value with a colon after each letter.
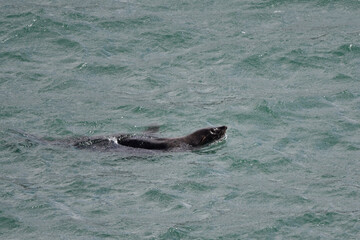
x: 196, y: 139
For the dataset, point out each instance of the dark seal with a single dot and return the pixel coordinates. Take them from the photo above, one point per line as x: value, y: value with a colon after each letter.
x: 196, y: 139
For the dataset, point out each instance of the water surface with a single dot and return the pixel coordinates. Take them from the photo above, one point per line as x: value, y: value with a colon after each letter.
x: 282, y: 75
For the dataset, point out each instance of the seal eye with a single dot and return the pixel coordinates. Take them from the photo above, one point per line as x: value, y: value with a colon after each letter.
x: 212, y: 131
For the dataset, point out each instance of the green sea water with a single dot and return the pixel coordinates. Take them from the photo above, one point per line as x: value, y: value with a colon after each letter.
x: 284, y: 76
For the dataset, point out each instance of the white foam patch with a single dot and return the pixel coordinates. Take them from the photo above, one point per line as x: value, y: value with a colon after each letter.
x: 114, y: 140
x: 224, y: 137
x: 220, y: 139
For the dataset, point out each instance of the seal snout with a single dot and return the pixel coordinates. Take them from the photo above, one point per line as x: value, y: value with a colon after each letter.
x: 222, y: 129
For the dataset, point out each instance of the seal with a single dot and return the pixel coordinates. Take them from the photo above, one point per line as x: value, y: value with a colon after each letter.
x: 196, y: 139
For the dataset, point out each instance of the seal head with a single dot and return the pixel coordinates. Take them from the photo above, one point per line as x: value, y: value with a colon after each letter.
x: 205, y: 136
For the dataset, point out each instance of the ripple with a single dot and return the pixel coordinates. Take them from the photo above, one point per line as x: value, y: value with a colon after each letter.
x: 346, y: 49
x: 8, y: 223
x: 305, y: 103
x: 155, y: 195
x: 260, y: 196
x: 264, y: 107
x: 342, y: 77
x: 328, y: 140
x: 15, y: 56
x: 192, y: 186
x: 129, y: 23
x: 178, y: 232
x: 253, y: 165
x: 343, y: 95
x: 168, y: 39
x: 67, y: 44
x: 110, y: 69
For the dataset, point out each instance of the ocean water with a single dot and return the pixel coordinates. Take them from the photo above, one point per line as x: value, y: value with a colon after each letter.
x: 284, y: 77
